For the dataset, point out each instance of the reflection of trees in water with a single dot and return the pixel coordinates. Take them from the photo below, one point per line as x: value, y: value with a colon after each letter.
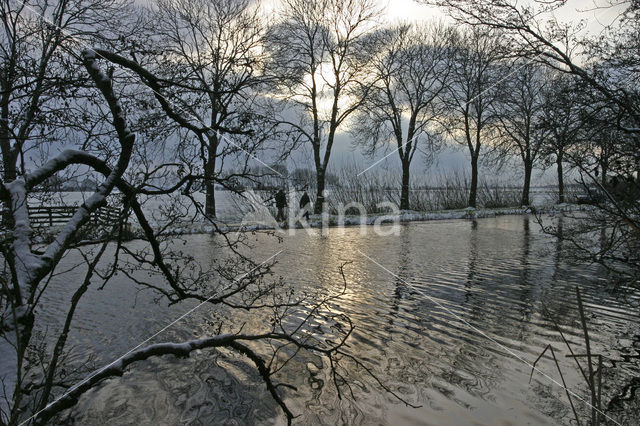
x: 402, y: 272
x: 498, y: 303
x: 558, y: 286
x: 501, y: 281
x: 510, y: 289
x: 463, y: 357
x: 525, y: 285
x: 473, y: 367
x: 557, y: 256
x: 559, y: 306
x: 512, y: 282
x: 559, y: 297
x: 473, y: 259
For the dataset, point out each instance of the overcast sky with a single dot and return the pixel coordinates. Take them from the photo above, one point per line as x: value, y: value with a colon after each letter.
x: 574, y: 10
x: 412, y: 10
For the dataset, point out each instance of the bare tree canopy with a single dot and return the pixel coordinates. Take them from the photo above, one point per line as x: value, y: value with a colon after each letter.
x: 319, y: 57
x: 411, y: 68
x: 475, y: 77
x: 560, y: 46
x: 211, y: 55
x: 519, y: 111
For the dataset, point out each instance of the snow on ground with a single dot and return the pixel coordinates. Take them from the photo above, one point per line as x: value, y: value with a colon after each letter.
x: 318, y: 221
x: 235, y: 214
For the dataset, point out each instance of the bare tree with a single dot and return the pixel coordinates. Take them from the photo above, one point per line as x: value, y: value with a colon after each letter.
x: 317, y: 53
x: 411, y: 68
x: 472, y: 90
x: 519, y: 112
x: 214, y: 51
x: 564, y: 118
x: 607, y: 150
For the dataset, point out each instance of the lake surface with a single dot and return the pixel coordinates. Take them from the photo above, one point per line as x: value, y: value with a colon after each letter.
x: 449, y: 314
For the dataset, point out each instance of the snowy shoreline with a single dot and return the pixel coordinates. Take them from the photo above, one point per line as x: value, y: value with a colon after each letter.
x: 134, y: 231
x: 405, y: 216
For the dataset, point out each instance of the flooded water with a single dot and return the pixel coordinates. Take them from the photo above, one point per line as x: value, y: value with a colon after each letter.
x: 448, y: 314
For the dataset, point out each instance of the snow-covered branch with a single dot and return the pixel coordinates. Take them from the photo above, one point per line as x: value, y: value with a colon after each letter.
x: 32, y: 268
x: 180, y: 350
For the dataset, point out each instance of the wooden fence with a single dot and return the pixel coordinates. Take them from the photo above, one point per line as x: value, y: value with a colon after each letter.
x: 59, y: 215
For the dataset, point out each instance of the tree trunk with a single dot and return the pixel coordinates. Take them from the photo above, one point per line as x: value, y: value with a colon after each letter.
x: 210, y: 199
x: 209, y: 181
x: 320, y: 175
x: 560, y: 180
x: 9, y: 172
x: 473, y: 190
x: 9, y: 159
x: 528, y: 168
x: 404, y: 195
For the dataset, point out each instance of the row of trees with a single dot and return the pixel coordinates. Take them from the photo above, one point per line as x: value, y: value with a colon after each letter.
x: 413, y: 88
x: 246, y: 86
x: 436, y: 84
